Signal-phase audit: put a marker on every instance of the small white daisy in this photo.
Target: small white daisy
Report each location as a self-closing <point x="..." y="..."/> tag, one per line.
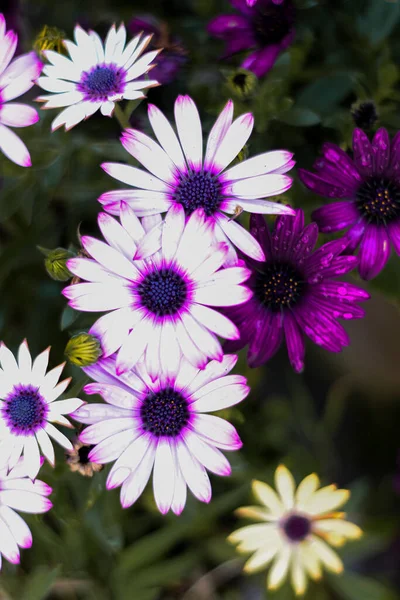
<point x="162" y="426"/>
<point x="159" y="287"/>
<point x="177" y="174"/>
<point x="18" y="492"/>
<point x="296" y="529"/>
<point x="27" y="409"/>
<point x="96" y="75"/>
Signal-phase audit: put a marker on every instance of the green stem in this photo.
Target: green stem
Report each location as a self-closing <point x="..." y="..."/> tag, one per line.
<point x="121" y="117"/>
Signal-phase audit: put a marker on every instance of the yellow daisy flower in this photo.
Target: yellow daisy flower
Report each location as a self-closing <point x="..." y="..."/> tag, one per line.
<point x="297" y="531"/>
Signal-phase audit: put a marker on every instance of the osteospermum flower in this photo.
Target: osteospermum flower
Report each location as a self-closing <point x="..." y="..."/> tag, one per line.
<point x="16" y="78"/>
<point x="96" y="75"/>
<point x="295" y="293"/>
<point x="159" y="287"/>
<point x="369" y="185"/>
<point x="19" y="493"/>
<point x="162" y="426"/>
<point x="296" y="531"/>
<point x="28" y="409"/>
<point x="263" y="26"/>
<point x="180" y="176"/>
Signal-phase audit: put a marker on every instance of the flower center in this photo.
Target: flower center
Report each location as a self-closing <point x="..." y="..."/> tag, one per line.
<point x="199" y="190"/>
<point x="163" y="292"/>
<point x="25" y="410"/>
<point x="164" y="413"/>
<point x="83" y="454"/>
<point x="378" y="200"/>
<point x="271" y="23"/>
<point x="101" y="82"/>
<point x="279" y="286"/>
<point x="296" y="528"/>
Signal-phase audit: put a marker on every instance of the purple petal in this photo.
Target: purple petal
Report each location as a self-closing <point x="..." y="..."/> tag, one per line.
<point x="336" y="216"/>
<point x="338" y="266"/>
<point x="363" y="153"/>
<point x="381" y="148"/>
<point x="268" y="338"/>
<point x="342" y="161"/>
<point x="259" y="230"/>
<point x="228" y="26"/>
<point x="342" y="291"/>
<point x="320" y="326"/>
<point x="354" y="235"/>
<point x="305" y="244"/>
<point x="262" y="61"/>
<point x="394" y="168"/>
<point x="374" y="251"/>
<point x="394" y="235"/>
<point x="295" y="342"/>
<point x="323" y="257"/>
<point x="320" y="186"/>
<point x="286" y="232"/>
<point x="339" y="308"/>
<point x="242" y="6"/>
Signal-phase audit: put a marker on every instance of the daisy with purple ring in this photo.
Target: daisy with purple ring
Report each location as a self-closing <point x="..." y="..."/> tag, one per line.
<point x="28" y="409"/>
<point x="96" y="75"/>
<point x="369" y="187"/>
<point x="16" y="78"/>
<point x="161" y="288"/>
<point x="19" y="493"/>
<point x="295" y="293"/>
<point x="162" y="426"/>
<point x="177" y="175"/>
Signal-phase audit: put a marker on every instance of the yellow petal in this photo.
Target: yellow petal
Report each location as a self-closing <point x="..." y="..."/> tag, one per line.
<point x="326" y="555"/>
<point x="333" y="539"/>
<point x="280" y="568"/>
<point x="305" y="490"/>
<point x="339" y="527"/>
<point x="298" y="575"/>
<point x="310" y="561"/>
<point x="260" y="559"/>
<point x="257" y="533"/>
<point x="326" y="500"/>
<point x="267" y="496"/>
<point x="285" y="485"/>
<point x="254" y="512"/>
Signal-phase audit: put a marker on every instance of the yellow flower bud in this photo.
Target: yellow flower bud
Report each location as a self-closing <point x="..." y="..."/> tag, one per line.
<point x="56" y="263"/>
<point x="83" y="350"/>
<point x="242" y="83"/>
<point x="50" y="38"/>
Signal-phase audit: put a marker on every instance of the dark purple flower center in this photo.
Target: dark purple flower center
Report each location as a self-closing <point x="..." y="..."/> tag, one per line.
<point x="378" y="200"/>
<point x="199" y="190"/>
<point x="296" y="527"/>
<point x="101" y="82"/>
<point x="164" y="413"/>
<point x="279" y="286"/>
<point x="271" y="23"/>
<point x="365" y="115"/>
<point x="83" y="454"/>
<point x="163" y="292"/>
<point x="25" y="410"/>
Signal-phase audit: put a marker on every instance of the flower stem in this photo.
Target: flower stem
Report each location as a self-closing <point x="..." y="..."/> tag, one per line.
<point x="121" y="117"/>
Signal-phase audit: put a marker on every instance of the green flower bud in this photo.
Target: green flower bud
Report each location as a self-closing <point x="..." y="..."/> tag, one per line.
<point x="242" y="83"/>
<point x="50" y="38"/>
<point x="83" y="350"/>
<point x="55" y="263"/>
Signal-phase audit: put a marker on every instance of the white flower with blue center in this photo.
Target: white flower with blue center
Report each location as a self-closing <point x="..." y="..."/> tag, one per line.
<point x="96" y="75"/>
<point x="28" y="409"/>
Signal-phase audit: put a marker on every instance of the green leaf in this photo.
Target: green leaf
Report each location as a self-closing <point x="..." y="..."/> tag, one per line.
<point x="69" y="316"/>
<point x="325" y="94"/>
<point x="379" y="20"/>
<point x="352" y="586"/>
<point x="39" y="584"/>
<point x="301" y="117"/>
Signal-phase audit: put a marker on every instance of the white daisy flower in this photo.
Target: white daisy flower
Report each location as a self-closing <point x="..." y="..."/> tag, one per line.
<point x="162" y="426"/>
<point x="28" y="409"/>
<point x="18" y="492"/>
<point x="177" y="174"/>
<point x="16" y="77"/>
<point x="296" y="530"/>
<point x="96" y="75"/>
<point x="160" y="287"/>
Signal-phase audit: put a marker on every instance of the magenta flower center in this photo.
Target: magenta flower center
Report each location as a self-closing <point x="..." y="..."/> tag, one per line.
<point x="25" y="410"/>
<point x="378" y="200"/>
<point x="296" y="527"/>
<point x="164" y="413"/>
<point x="279" y="286"/>
<point x="271" y="23"/>
<point x="101" y="82"/>
<point x="199" y="190"/>
<point x="163" y="292"/>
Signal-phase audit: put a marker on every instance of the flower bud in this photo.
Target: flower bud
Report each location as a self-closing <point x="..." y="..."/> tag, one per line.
<point x="56" y="263"/>
<point x="50" y="38"/>
<point x="242" y="83"/>
<point x="83" y="350"/>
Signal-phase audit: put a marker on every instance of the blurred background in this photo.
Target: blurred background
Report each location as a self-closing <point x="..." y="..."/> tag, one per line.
<point x="340" y="418"/>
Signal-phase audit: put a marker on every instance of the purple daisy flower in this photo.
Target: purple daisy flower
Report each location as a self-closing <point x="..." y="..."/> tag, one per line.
<point x="19" y="493"/>
<point x="370" y="187"/>
<point x="264" y="26"/>
<point x="294" y="292"/>
<point x="16" y="78"/>
<point x="177" y="175"/>
<point x="162" y="424"/>
<point x="159" y="287"/>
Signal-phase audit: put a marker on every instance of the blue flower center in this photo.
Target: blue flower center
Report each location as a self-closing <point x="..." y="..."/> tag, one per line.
<point x="279" y="286"/>
<point x="378" y="200"/>
<point x="164" y="413"/>
<point x="297" y="528"/>
<point x="199" y="190"/>
<point x="25" y="410"/>
<point x="101" y="82"/>
<point x="271" y="22"/>
<point x="163" y="292"/>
